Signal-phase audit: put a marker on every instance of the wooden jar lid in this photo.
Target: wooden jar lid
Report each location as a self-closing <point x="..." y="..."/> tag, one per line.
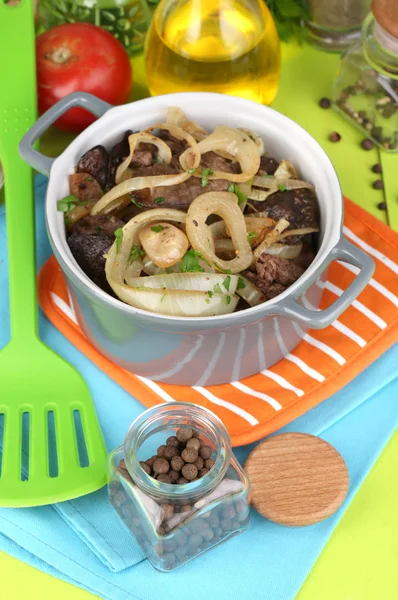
<point x="386" y="14"/>
<point x="296" y="478"/>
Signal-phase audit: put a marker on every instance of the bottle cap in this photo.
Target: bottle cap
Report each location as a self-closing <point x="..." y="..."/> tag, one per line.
<point x="386" y="14"/>
<point x="296" y="479"/>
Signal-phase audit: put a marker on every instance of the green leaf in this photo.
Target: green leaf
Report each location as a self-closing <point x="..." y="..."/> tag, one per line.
<point x="163" y="297"/>
<point x="135" y="253"/>
<point x="210" y="293"/>
<point x="119" y="238"/>
<point x="157" y="228"/>
<point x="251" y="235"/>
<point x="217" y="289"/>
<point x="241" y="284"/>
<point x="226" y="283"/>
<point x="281" y="187"/>
<point x="192" y="171"/>
<point x="233" y="187"/>
<point x="190" y="263"/>
<point x="159" y="200"/>
<point x="97" y="228"/>
<point x="135" y="202"/>
<point x="207" y="301"/>
<point x="228" y="299"/>
<point x="205" y="176"/>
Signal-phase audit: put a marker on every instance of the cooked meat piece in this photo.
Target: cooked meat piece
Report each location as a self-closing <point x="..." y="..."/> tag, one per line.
<point x="299" y="207"/>
<point x="268" y="166"/>
<point x="306" y="256"/>
<point x="96" y="163"/>
<point x="117" y="154"/>
<point x="177" y="147"/>
<point x="84" y="187"/>
<point x="91" y="239"/>
<point x="142" y="158"/>
<point x="218" y="163"/>
<point x="273" y="275"/>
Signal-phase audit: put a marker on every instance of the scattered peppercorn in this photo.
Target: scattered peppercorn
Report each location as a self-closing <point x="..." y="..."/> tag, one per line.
<point x="334" y="136"/>
<point x="377" y="168"/>
<point x="325" y="103"/>
<point x="378" y="184"/>
<point x="367" y="144"/>
<point x="382" y="206"/>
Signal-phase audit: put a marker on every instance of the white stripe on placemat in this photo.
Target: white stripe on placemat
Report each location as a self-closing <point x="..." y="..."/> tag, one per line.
<point x="260" y="395"/>
<point x="282" y="382"/>
<point x="156" y="388"/>
<point x="320" y="345"/>
<point x="183" y="362"/>
<point x="372" y="251"/>
<point x="219" y="402"/>
<point x="356" y="304"/>
<point x="213" y="360"/>
<point x="295" y="359"/>
<point x="339" y="326"/>
<point x="375" y="284"/>
<point x="66" y="309"/>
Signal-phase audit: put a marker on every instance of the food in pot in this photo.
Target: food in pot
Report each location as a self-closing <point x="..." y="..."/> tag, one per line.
<point x="183" y="222"/>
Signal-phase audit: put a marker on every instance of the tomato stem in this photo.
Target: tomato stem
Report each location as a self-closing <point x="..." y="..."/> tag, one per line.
<point x="60" y="56"/>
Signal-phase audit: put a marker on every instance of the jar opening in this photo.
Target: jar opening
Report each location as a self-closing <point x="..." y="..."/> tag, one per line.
<point x="153" y="427"/>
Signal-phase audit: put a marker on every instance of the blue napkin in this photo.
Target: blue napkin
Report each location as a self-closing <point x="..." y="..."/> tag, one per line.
<point x="83" y="541"/>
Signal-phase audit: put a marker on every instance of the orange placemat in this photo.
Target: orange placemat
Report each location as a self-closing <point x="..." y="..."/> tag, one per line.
<point x="321" y="364"/>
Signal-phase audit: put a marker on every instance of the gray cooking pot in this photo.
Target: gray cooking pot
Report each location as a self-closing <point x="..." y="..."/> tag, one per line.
<point x="209" y="350"/>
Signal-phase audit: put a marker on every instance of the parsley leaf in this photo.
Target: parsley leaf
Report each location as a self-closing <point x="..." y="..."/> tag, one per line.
<point x="135" y="202"/>
<point x="189" y="262"/>
<point x="226" y="282"/>
<point x="228" y="299"/>
<point x="135" y="253"/>
<point x="288" y="16"/>
<point x="68" y="221"/>
<point x="234" y="188"/>
<point x="226" y="271"/>
<point x="157" y="228"/>
<point x="191" y="171"/>
<point x="281" y="187"/>
<point x="159" y="200"/>
<point x="251" y="235"/>
<point x="205" y="176"/>
<point x="163" y="297"/>
<point x="207" y="301"/>
<point x="97" y="228"/>
<point x="209" y="293"/>
<point x="119" y="238"/>
<point x="241" y="284"/>
<point x="66" y="204"/>
<point x="217" y="289"/>
<point x="155" y="161"/>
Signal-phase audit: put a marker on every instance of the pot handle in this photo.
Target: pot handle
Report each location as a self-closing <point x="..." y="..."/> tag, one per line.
<point x="33" y="157"/>
<point x="319" y="319"/>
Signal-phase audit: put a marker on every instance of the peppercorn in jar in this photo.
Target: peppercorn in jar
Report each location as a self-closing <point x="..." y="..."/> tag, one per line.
<point x="177" y="485"/>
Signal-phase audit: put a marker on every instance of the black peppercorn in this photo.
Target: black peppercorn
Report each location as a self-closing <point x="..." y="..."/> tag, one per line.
<point x="378" y="184"/>
<point x="367" y="144"/>
<point x="161" y="465"/>
<point x="189" y="455"/>
<point x="189" y="471"/>
<point x="325" y="103"/>
<point x="177" y="463"/>
<point x="377" y="168"/>
<point x="183" y="434"/>
<point x="382" y="206"/>
<point x="334" y="136"/>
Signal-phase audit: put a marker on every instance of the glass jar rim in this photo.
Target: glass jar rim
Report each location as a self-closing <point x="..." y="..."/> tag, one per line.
<point x="198" y="415"/>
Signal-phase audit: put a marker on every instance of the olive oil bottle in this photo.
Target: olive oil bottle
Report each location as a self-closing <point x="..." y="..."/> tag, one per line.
<point x="226" y="46"/>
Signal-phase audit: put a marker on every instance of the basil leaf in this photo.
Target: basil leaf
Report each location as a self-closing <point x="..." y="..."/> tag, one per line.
<point x="190" y="263"/>
<point x="66" y="204"/>
<point x="119" y="238"/>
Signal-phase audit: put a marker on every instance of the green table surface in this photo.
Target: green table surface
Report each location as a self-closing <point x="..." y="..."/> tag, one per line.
<point x="360" y="559"/>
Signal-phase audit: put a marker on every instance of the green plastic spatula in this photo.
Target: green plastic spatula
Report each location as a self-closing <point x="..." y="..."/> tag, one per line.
<point x="52" y="446"/>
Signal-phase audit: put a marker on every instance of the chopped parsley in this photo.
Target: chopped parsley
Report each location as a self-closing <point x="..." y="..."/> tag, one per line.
<point x="207" y="301"/>
<point x="163" y="297"/>
<point x="241" y="284"/>
<point x="209" y="293"/>
<point x="281" y="187"/>
<point x="157" y="228"/>
<point x="226" y="271"/>
<point x="226" y="282"/>
<point x="97" y="228"/>
<point x="191" y="171"/>
<point x="135" y="202"/>
<point x="155" y="161"/>
<point x="217" y="289"/>
<point x="159" y="200"/>
<point x="251" y="235"/>
<point x="135" y="253"/>
<point x="119" y="238"/>
<point x="205" y="176"/>
<point x="68" y="221"/>
<point x="228" y="299"/>
<point x="89" y="179"/>
<point x="190" y="263"/>
<point x="234" y="188"/>
<point x="66" y="204"/>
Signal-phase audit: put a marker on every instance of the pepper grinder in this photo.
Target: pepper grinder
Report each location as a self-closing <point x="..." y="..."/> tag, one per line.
<point x="366" y="87"/>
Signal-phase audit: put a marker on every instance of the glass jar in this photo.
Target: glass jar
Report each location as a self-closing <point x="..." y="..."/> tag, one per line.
<point x="175" y="523"/>
<point x="226" y="46"/>
<point x="126" y="20"/>
<point x="336" y="24"/>
<point x="366" y="88"/>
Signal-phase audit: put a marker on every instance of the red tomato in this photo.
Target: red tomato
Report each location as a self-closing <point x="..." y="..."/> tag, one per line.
<point x="85" y="58"/>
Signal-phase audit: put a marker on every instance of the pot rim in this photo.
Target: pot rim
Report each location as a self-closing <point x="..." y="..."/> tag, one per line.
<point x="330" y="232"/>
